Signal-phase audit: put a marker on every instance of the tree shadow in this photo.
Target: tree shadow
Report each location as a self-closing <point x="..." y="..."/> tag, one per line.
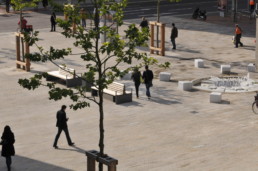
<point x="21" y="163"/>
<point x="8" y="53"/>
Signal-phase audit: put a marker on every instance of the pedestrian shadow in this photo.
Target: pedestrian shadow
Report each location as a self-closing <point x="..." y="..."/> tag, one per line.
<point x="133" y="103"/>
<point x="248" y="47"/>
<point x="184" y="50"/>
<point x="73" y="148"/>
<point x="163" y="101"/>
<point x="21" y="163"/>
<point x="6" y="15"/>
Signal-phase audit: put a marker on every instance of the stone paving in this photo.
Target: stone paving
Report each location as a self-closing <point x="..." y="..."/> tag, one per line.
<point x="175" y="130"/>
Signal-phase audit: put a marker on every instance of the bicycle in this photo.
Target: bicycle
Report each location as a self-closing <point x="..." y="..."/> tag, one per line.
<point x="255" y="104"/>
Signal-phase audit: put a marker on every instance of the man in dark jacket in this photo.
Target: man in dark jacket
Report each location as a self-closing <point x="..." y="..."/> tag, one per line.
<point x="174" y="34"/>
<point x="61" y="123"/>
<point x="53" y="22"/>
<point x="144" y="23"/>
<point x="147" y="76"/>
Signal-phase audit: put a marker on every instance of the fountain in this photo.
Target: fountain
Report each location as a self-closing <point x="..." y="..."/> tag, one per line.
<point x="226" y="84"/>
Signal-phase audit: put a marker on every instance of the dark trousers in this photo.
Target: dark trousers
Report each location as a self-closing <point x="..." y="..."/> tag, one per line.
<point x="173" y="43"/>
<point x="8" y="162"/>
<point x="148" y="85"/>
<point x="66" y="134"/>
<point x="251" y="8"/>
<point x="53" y="27"/>
<point x="7" y="7"/>
<point x="137" y="85"/>
<point x="238" y="37"/>
<point x="83" y="21"/>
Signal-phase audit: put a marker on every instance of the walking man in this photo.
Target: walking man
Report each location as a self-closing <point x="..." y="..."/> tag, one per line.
<point x="173" y="36"/>
<point x="147" y="76"/>
<point x="53" y="22"/>
<point x="7" y="5"/>
<point x="136" y="76"/>
<point x="238" y="35"/>
<point x="252" y="4"/>
<point x="61" y="123"/>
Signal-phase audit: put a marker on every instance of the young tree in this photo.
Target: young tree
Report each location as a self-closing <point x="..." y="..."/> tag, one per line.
<point x="19" y="5"/>
<point x="100" y="71"/>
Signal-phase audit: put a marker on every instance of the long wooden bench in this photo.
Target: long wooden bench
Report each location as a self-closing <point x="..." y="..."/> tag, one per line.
<point x="115" y="92"/>
<point x="65" y="75"/>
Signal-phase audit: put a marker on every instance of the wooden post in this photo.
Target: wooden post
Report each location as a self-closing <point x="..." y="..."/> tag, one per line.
<point x="18" y="52"/>
<point x="152" y="39"/>
<point x="256" y="45"/>
<point x="91" y="164"/>
<point x="93" y="157"/>
<point x="25" y="65"/>
<point x="110" y="162"/>
<point x="162" y="30"/>
<point x="27" y="61"/>
<point x="160" y="50"/>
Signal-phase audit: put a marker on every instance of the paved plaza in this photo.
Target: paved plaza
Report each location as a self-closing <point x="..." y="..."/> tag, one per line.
<point x="175" y="130"/>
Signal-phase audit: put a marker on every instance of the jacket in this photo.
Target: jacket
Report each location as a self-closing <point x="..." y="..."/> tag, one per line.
<point x="61" y="121"/>
<point x="136" y="76"/>
<point x="7" y="144"/>
<point x="147" y="76"/>
<point x="174" y="33"/>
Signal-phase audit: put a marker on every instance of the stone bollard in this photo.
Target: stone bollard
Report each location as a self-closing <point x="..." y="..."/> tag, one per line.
<point x="164" y="76"/>
<point x="225" y="69"/>
<point x="215" y="97"/>
<point x="198" y="63"/>
<point x="251" y="67"/>
<point x="185" y="85"/>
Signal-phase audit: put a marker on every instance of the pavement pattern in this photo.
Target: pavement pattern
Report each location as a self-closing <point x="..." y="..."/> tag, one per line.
<point x="175" y="130"/>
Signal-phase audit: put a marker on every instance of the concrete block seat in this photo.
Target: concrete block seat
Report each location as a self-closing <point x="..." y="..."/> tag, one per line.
<point x="251" y="67"/>
<point x="198" y="63"/>
<point x="215" y="97"/>
<point x="64" y="75"/>
<point x="164" y="76"/>
<point x="225" y="69"/>
<point x="115" y="92"/>
<point x="185" y="85"/>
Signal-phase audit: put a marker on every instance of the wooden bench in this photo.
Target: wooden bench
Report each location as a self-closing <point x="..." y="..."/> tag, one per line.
<point x="115" y="92"/>
<point x="64" y="75"/>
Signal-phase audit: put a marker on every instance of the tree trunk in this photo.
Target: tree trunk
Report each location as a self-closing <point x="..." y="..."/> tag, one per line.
<point x="158" y="17"/>
<point x="101" y="129"/>
<point x="101" y="112"/>
<point x="20" y="20"/>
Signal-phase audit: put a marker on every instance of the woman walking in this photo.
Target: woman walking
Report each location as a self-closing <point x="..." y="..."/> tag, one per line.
<point x="7" y="146"/>
<point x="136" y="76"/>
